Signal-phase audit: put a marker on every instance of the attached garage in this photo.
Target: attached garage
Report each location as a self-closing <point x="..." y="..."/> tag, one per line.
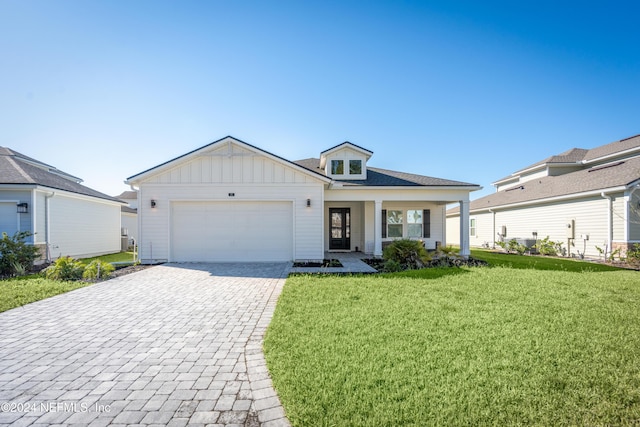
<point x="226" y="231"/>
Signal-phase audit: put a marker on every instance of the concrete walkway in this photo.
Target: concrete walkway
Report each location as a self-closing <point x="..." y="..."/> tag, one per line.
<point x="351" y="264"/>
<point x="172" y="345"/>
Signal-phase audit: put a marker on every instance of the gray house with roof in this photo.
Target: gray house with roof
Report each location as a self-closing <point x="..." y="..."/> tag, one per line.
<point x="64" y="216"/>
<point x="232" y="201"/>
<point x="585" y="198"/>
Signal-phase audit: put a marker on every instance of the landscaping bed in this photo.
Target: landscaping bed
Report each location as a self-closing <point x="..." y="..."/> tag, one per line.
<point x="326" y="263"/>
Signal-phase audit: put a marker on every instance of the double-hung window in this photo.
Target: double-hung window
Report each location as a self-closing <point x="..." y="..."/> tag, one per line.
<point x="394" y="223"/>
<point x="414" y="223"/>
<point x="472" y="227"/>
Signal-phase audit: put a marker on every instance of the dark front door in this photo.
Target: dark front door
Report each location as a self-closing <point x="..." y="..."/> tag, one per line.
<point x="340" y="228"/>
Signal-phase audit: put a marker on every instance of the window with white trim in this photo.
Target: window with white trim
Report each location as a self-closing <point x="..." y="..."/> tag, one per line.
<point x="395" y="224"/>
<point x="414" y="223"/>
<point x="472" y="227"/>
<point x="337" y="167"/>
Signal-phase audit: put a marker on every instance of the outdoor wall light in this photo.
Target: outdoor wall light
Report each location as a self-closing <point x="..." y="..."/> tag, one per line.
<point x="23" y="207"/>
<point x="153" y="203"/>
<point x="308" y="203"/>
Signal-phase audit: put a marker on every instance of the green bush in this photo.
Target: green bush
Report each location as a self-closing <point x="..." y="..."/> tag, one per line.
<point x="410" y="254"/>
<point x="16" y="256"/>
<point x="65" y="268"/>
<point x="633" y="254"/>
<point x="547" y="246"/>
<point x="98" y="270"/>
<point x="392" y="266"/>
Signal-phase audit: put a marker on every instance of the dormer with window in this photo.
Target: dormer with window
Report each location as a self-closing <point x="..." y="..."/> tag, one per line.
<point x="346" y="161"/>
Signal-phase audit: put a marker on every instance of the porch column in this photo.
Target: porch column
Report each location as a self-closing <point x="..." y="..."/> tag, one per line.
<point x="377" y="228"/>
<point x="464" y="228"/>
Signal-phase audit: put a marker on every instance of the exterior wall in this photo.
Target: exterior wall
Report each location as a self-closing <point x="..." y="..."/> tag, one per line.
<point x="550" y="219"/>
<point x="357" y="223"/>
<point x="23" y="222"/>
<point x="130" y="222"/>
<point x="229" y="172"/>
<point x="154" y="232"/>
<point x="40" y="217"/>
<point x="82" y="226"/>
<point x="619" y="217"/>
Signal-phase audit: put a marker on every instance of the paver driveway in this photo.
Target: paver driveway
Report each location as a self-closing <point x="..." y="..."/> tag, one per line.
<point x="175" y="344"/>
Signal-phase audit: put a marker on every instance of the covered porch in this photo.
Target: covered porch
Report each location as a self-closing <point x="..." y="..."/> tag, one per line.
<point x="366" y="226"/>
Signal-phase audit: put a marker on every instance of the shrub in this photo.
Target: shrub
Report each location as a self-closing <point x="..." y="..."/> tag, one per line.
<point x="633" y="254"/>
<point x="410" y="254"/>
<point x="98" y="270"/>
<point x="16" y="256"/>
<point x="65" y="268"/>
<point x="547" y="246"/>
<point x="392" y="266"/>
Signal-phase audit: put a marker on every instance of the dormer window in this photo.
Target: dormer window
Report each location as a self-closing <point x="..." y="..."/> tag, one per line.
<point x="355" y="167"/>
<point x="337" y="167"/>
<point x="345" y="161"/>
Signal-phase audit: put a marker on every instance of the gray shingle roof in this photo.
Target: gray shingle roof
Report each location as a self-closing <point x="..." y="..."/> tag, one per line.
<point x="18" y="169"/>
<point x="616" y="174"/>
<point x="377" y="177"/>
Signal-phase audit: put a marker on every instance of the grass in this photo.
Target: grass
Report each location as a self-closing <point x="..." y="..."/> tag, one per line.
<point x="23" y="290"/>
<point x="117" y="257"/>
<point x="19" y="291"/>
<point x="539" y="262"/>
<point x="472" y="346"/>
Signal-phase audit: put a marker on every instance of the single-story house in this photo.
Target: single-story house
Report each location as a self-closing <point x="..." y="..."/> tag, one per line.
<point x="129" y="214"/>
<point x="585" y="198"/>
<point x="232" y="201"/>
<point x="64" y="216"/>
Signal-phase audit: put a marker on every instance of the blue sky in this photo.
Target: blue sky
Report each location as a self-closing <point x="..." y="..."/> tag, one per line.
<point x="470" y="91"/>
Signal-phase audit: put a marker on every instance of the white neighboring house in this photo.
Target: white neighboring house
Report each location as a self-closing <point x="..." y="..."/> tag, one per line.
<point x="585" y="198"/>
<point x="129" y="215"/>
<point x="65" y="217"/>
<point x="232" y="201"/>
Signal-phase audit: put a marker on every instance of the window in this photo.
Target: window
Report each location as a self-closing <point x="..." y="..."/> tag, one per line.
<point x="337" y="167"/>
<point x="414" y="223"/>
<point x="394" y="223"/>
<point x="472" y="227"/>
<point x="355" y="167"/>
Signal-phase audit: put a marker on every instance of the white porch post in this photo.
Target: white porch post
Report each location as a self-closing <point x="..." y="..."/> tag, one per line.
<point x="464" y="228"/>
<point x="377" y="228"/>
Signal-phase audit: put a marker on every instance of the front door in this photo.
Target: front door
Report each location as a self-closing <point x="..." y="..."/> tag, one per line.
<point x="340" y="228"/>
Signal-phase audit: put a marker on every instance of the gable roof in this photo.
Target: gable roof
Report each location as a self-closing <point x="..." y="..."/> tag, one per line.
<point x="228" y="138"/>
<point x="622" y="173"/>
<point x="377" y="177"/>
<point x="127" y="195"/>
<point x="18" y="169"/>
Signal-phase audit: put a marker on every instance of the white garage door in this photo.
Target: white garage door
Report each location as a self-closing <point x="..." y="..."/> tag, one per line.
<point x="231" y="231"/>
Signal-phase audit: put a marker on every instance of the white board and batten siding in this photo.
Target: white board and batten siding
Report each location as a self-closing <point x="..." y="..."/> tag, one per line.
<point x="83" y="226"/>
<point x="230" y="204"/>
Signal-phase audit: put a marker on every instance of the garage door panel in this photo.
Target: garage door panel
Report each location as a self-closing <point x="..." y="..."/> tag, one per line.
<point x="231" y="231"/>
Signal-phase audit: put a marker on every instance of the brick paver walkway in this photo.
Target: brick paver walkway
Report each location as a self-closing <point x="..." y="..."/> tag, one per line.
<point x="175" y="345"/>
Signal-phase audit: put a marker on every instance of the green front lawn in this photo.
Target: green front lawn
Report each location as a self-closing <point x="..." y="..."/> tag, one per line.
<point x="472" y="346"/>
<point x="117" y="257"/>
<point x="19" y="291"/>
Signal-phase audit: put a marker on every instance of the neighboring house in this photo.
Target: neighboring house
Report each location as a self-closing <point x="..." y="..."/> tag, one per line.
<point x="583" y="198"/>
<point x="129" y="213"/>
<point x="65" y="217"/>
<point x="231" y="201"/>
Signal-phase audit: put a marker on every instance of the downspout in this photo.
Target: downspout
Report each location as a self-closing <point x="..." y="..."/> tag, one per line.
<point x="609" y="223"/>
<point x="47" y="226"/>
<point x="136" y="245"/>
<point x="493" y="228"/>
